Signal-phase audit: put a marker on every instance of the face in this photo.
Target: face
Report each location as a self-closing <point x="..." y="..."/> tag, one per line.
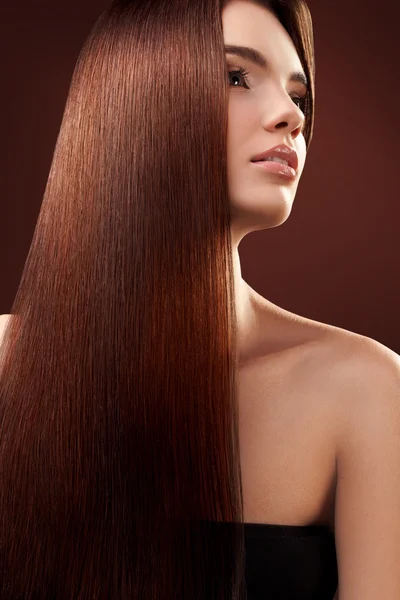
<point x="264" y="111"/>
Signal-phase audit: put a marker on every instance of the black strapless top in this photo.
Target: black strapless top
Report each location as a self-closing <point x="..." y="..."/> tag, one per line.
<point x="290" y="562"/>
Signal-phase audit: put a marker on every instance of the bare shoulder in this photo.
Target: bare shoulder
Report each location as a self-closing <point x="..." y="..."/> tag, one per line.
<point x="352" y="362"/>
<point x="4" y="320"/>
<point x="361" y="376"/>
<point x="3" y="324"/>
<point x="362" y="372"/>
<point x="364" y="377"/>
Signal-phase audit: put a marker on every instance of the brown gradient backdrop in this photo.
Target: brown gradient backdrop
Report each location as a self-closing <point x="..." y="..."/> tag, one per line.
<point x="336" y="258"/>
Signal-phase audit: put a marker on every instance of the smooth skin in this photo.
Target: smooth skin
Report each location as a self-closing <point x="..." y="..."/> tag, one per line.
<point x="358" y="377"/>
<point x="259" y="118"/>
<point x="363" y="375"/>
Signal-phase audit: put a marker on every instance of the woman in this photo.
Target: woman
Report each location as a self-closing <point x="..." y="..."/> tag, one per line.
<point x="156" y="412"/>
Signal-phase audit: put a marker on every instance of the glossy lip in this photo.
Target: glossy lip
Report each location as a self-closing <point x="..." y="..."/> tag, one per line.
<point x="280" y="151"/>
<point x="277" y="169"/>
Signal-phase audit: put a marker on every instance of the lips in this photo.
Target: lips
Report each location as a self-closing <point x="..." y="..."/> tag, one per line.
<point x="280" y="151"/>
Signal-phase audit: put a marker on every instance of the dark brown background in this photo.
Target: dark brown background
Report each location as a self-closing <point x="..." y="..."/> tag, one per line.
<point x="336" y="258"/>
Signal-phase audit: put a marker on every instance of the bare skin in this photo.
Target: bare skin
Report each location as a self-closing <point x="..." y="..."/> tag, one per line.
<point x="319" y="406"/>
<point x="288" y="470"/>
<point x="287" y="452"/>
<point x="274" y="345"/>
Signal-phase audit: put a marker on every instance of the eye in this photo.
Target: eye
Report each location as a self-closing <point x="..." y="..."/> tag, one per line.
<point x="302" y="102"/>
<point x="240" y="73"/>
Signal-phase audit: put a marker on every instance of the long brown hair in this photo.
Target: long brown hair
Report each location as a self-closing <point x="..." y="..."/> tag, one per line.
<point x="118" y="401"/>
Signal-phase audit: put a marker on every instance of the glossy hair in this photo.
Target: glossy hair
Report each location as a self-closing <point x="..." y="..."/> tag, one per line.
<point x="119" y="446"/>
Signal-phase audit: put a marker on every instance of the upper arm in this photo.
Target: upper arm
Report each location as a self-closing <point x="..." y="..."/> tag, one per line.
<point x="367" y="504"/>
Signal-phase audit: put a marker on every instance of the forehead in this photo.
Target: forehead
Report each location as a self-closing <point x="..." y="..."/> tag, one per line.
<point x="246" y="23"/>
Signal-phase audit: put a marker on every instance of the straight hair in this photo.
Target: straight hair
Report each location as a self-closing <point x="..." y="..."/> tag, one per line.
<point x="119" y="446"/>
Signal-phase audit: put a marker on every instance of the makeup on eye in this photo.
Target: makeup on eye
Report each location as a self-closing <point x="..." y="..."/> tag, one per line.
<point x="243" y="73"/>
<point x="302" y="100"/>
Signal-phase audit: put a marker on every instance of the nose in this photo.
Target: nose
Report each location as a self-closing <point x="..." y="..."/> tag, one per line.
<point x="283" y="114"/>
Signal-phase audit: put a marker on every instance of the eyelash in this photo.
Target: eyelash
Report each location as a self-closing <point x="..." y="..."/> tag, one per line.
<point x="302" y="99"/>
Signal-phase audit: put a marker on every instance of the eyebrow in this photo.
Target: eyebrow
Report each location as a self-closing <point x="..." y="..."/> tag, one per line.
<point x="259" y="59"/>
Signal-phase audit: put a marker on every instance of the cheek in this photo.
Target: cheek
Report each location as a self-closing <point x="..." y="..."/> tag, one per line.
<point x="242" y="121"/>
<point x="239" y="138"/>
<point x="301" y="149"/>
